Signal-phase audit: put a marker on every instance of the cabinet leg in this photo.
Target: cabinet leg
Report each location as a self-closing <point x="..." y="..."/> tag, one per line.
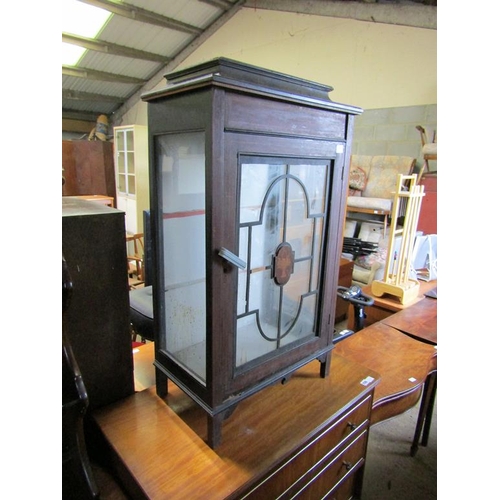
<point x="324" y="371"/>
<point x="214" y="428"/>
<point x="161" y="383"/>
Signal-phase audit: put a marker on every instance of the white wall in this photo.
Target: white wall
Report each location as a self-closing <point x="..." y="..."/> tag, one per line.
<point x="370" y="65"/>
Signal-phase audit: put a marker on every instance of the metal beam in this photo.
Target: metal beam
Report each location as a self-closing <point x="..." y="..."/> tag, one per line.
<point x="70" y="114"/>
<point x="220" y="4"/>
<point x="75" y="95"/>
<point x="99" y="75"/>
<point x="112" y="48"/>
<point x="144" y="16"/>
<point x="76" y="125"/>
<point x="183" y="54"/>
<point x="412" y="14"/>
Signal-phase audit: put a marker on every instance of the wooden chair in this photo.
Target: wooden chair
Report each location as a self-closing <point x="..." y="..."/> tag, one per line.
<point x="135" y="259"/>
<point x="429" y="148"/>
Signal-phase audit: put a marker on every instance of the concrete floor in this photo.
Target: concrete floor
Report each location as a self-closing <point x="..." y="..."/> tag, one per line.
<point x="390" y="471"/>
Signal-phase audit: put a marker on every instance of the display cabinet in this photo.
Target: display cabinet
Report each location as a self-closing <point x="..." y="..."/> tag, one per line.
<point x="248" y="183"/>
<point x="132" y="174"/>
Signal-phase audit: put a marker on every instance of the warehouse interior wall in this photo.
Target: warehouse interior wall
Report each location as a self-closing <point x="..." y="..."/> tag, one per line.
<point x="370" y="65"/>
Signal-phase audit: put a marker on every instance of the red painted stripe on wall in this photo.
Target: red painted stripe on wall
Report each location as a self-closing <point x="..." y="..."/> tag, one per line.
<point x="187" y="213"/>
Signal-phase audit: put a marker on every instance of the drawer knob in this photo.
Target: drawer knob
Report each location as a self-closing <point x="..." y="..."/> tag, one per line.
<point x="351" y="425"/>
<point x="347" y="465"/>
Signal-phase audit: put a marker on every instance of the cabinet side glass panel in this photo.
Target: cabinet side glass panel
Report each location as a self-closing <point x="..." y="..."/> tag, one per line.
<point x="181" y="161"/>
<point x="281" y="237"/>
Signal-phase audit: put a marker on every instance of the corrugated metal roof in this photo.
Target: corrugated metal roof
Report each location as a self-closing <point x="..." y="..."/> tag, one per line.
<point x="165" y="29"/>
<point x="88" y="94"/>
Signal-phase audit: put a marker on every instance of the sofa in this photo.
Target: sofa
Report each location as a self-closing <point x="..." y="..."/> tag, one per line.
<point x="372" y="183"/>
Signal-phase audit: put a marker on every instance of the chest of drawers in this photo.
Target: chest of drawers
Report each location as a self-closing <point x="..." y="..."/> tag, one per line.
<point x="305" y="438"/>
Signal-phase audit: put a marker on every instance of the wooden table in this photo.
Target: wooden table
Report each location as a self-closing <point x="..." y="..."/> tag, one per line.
<point x="309" y="435"/>
<point x="418" y="321"/>
<point x="144" y="371"/>
<point x="387" y="305"/>
<point x="98" y="198"/>
<point x="403" y="363"/>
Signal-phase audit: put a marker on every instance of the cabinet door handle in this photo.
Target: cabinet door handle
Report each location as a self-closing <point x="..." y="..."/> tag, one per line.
<point x="232" y="258"/>
<point x="352" y="426"/>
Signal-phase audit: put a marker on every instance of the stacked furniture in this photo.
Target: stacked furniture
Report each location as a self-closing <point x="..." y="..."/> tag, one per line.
<point x="372" y="183"/>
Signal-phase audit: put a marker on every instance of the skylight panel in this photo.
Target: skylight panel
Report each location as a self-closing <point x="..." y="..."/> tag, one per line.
<point x="82" y="19"/>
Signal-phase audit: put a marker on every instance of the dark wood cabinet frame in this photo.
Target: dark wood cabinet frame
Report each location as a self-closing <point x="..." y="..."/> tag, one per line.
<point x="245" y="110"/>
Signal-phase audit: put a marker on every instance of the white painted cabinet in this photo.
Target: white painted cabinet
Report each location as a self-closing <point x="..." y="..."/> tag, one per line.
<point x="132" y="174"/>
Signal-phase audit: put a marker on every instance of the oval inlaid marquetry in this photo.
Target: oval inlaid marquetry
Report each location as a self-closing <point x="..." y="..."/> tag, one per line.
<point x="283" y="263"/>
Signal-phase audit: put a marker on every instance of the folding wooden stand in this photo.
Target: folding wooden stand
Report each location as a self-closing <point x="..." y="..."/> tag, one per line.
<point x="396" y="279"/>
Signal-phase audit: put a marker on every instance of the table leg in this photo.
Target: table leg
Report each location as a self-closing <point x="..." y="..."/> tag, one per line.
<point x="428" y="418"/>
<point x="425" y="412"/>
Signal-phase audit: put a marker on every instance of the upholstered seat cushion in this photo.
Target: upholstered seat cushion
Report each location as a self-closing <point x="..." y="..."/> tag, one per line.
<point x="363" y="277"/>
<point x="141" y="311"/>
<point x="430" y="149"/>
<point x="141" y="300"/>
<point x="368" y="203"/>
<point x="383" y="176"/>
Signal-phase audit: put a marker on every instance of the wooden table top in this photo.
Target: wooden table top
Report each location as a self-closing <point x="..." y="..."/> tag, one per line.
<point x="402" y="362"/>
<point x="163" y="441"/>
<point x="419" y="321"/>
<point x="144" y="371"/>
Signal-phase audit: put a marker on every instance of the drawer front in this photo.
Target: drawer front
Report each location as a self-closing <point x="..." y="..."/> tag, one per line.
<point x="312" y="457"/>
<point x="336" y="479"/>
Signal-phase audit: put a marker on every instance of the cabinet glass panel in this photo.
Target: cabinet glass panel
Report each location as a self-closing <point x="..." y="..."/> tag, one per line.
<point x="130" y="162"/>
<point x="121" y="162"/>
<point x="121" y="158"/>
<point x="125" y="162"/>
<point x="181" y="158"/>
<point x="122" y="183"/>
<point x="281" y="234"/>
<point x="131" y="185"/>
<point x="120" y="137"/>
<point x="130" y="140"/>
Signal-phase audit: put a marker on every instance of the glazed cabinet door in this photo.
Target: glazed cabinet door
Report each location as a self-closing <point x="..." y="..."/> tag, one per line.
<point x="276" y="256"/>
